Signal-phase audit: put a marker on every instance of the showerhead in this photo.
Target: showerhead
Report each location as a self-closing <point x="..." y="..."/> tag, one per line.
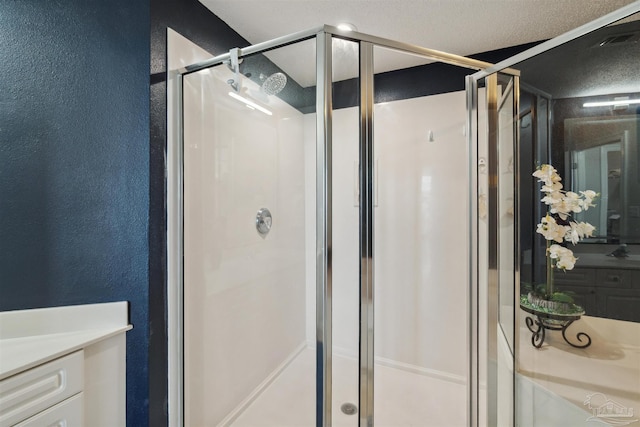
<point x="274" y="83"/>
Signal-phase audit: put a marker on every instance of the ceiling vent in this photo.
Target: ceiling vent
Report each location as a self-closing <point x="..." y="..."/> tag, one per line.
<point x="619" y="39"/>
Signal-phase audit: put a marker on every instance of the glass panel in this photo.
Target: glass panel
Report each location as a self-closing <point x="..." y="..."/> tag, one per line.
<point x="528" y="131"/>
<point x="496" y="247"/>
<point x="506" y="244"/>
<point x="541" y="144"/>
<point x="592" y="148"/>
<point x="506" y="206"/>
<point x="483" y="253"/>
<point x="345" y="236"/>
<point x="249" y="244"/>
<point x="421" y="230"/>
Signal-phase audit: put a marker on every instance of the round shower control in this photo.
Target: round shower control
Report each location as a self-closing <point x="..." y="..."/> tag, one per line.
<point x="349" y="408"/>
<point x="263" y="221"/>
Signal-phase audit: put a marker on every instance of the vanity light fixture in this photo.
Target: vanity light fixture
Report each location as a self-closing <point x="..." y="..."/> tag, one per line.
<point x="250" y="103"/>
<point x="346" y="26"/>
<point x="613" y="103"/>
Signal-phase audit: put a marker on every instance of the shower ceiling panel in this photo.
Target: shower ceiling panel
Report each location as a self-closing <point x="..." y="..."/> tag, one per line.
<point x="463" y="27"/>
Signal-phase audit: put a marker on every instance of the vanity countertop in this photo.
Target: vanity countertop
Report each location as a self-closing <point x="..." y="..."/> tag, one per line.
<point x="611" y="365"/>
<point x="31" y="337"/>
<point x="591" y="260"/>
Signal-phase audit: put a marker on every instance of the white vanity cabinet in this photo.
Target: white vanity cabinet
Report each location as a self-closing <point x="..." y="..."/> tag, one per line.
<point x="28" y="396"/>
<point x="64" y="366"/>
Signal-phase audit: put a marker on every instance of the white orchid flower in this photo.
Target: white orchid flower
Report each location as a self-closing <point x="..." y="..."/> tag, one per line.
<point x="551" y="187"/>
<point x="584" y="229"/>
<point x="564" y="257"/>
<point x="566" y="262"/>
<point x="547" y="174"/>
<point x="552" y="198"/>
<point x="561" y="208"/>
<point x="562" y="204"/>
<point x="551" y="230"/>
<point x="588" y="195"/>
<point x="572" y="235"/>
<point x="578" y="230"/>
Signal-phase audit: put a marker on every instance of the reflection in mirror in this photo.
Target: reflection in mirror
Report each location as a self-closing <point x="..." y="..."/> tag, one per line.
<point x="592" y="147"/>
<point x="602" y="155"/>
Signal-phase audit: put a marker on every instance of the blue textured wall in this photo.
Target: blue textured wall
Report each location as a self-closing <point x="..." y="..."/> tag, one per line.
<point x="74" y="168"/>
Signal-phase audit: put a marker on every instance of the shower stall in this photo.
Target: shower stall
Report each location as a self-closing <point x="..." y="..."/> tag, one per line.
<point x="325" y="232"/>
<point x="333" y="254"/>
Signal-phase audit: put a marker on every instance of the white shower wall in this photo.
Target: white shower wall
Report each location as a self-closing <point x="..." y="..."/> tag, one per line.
<point x="243" y="292"/>
<point x="421" y="234"/>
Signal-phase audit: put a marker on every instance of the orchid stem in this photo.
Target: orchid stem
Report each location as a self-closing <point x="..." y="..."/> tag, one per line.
<point x="549" y="271"/>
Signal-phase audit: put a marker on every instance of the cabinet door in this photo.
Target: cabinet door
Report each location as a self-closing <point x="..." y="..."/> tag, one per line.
<point x="69" y="413"/>
<point x="620" y="304"/>
<point x="577" y="277"/>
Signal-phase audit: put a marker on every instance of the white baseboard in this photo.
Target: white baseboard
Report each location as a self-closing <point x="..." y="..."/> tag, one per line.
<point x="242" y="406"/>
<point x="441" y="375"/>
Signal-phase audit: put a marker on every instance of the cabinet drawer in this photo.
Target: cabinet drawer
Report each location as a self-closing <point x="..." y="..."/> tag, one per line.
<point x="614" y="278"/>
<point x="24" y="395"/>
<point x="69" y="413"/>
<point x="577" y="276"/>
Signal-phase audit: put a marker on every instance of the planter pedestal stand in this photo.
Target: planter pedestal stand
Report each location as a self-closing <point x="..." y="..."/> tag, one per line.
<point x="553" y="322"/>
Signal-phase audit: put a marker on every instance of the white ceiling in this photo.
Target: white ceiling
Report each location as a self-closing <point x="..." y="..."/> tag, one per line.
<point x="462" y="27"/>
<point x="457" y="26"/>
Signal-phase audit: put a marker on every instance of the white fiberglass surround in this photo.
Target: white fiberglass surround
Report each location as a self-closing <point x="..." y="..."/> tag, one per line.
<point x="245" y="313"/>
<point x="421" y="231"/>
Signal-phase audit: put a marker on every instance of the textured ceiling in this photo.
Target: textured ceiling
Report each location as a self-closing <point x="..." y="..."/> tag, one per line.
<point x="583" y="67"/>
<point x="457" y="26"/>
<point x="462" y="27"/>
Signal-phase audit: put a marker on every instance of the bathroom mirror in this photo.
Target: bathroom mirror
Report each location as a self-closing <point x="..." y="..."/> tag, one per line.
<point x="580" y="111"/>
<point x="602" y="155"/>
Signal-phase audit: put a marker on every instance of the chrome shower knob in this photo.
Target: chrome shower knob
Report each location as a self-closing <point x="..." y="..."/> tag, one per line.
<point x="263" y="221"/>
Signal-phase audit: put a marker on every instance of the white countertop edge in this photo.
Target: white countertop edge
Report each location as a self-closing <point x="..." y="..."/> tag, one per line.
<point x="63" y="319"/>
<point x="22" y="353"/>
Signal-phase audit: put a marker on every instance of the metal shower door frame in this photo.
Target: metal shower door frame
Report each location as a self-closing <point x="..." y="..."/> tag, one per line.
<point x="175" y="143"/>
<point x="490" y="359"/>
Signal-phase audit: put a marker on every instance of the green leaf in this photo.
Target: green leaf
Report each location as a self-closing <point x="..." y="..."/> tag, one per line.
<point x="562" y="297"/>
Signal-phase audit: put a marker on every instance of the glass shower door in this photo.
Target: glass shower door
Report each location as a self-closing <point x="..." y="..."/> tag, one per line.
<point x="576" y="350"/>
<point x="345" y="79"/>
<point x="497" y="246"/>
<point x="420" y="230"/>
<point x="249" y="287"/>
<point x="504" y="165"/>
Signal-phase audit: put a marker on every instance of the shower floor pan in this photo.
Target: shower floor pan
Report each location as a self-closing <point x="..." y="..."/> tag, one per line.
<point x="403" y="398"/>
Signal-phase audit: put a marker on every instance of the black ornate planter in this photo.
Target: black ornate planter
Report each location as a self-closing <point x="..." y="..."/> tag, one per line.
<point x="547" y="319"/>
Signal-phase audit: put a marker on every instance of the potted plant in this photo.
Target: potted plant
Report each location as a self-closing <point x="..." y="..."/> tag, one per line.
<point x="553" y="309"/>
